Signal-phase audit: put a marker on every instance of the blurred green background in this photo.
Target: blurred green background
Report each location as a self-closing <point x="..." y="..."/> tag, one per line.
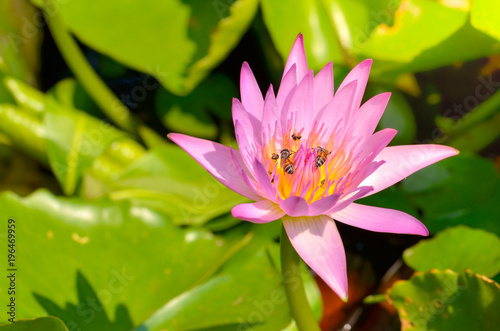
<point x="118" y="229"/>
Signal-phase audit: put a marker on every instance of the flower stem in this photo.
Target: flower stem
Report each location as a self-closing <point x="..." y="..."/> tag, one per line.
<point x="91" y="82"/>
<point x="294" y="286"/>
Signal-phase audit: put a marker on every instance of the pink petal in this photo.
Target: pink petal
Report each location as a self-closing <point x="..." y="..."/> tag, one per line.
<point x="339" y="105"/>
<point x="347" y="199"/>
<point x="217" y="160"/>
<point x="402" y="161"/>
<point x="370" y="149"/>
<point x="251" y="96"/>
<point x="360" y="74"/>
<point x="249" y="123"/>
<point x="337" y="109"/>
<point x="317" y="241"/>
<point x="262" y="211"/>
<point x="247" y="147"/>
<point x="270" y="117"/>
<point x="299" y="113"/>
<point x="367" y="117"/>
<point x="264" y="180"/>
<point x="377" y="142"/>
<point x="295" y="206"/>
<point x="249" y="181"/>
<point x="297" y="56"/>
<point x="288" y="83"/>
<point x="380" y="220"/>
<point x="323" y="87"/>
<point x="321" y="206"/>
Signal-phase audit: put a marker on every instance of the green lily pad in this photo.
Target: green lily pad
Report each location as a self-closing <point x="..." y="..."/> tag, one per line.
<point x="484" y="17"/>
<point x="169" y="180"/>
<point x="356" y="19"/>
<point x="48" y="323"/>
<point x="463" y="189"/>
<point x="73" y="139"/>
<point x="266" y="309"/>
<point x="109" y="266"/>
<point x="457" y="248"/>
<point x="178" y="42"/>
<point x="418" y="25"/>
<point x="445" y="300"/>
<point x="466" y="43"/>
<point x="286" y="19"/>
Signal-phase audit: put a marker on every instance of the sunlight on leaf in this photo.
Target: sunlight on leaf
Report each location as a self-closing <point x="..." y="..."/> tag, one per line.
<point x="457" y="248"/>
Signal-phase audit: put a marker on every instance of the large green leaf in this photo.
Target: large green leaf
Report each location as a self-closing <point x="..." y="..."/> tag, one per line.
<point x="73" y="139"/>
<point x="460" y="190"/>
<point x="445" y="300"/>
<point x="465" y="44"/>
<point x="418" y="25"/>
<point x="485" y="16"/>
<point x="178" y="42"/>
<point x="109" y="266"/>
<point x="48" y="323"/>
<point x="266" y="309"/>
<point x="169" y="180"/>
<point x="286" y="19"/>
<point x="457" y="249"/>
<point x="356" y="19"/>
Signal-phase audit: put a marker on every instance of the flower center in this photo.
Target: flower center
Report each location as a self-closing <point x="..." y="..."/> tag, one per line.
<point x="307" y="165"/>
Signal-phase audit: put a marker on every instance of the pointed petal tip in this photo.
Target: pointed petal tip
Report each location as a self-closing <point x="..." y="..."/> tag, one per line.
<point x="344" y="298"/>
<point x="299" y="38"/>
<point x="173" y="136"/>
<point x="367" y="62"/>
<point x="349" y="87"/>
<point x="385" y="95"/>
<point x="392" y="131"/>
<point x="245" y="69"/>
<point x="297" y="56"/>
<point x="236" y="102"/>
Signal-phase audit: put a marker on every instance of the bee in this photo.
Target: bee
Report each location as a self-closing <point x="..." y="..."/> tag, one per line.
<point x="285" y="161"/>
<point x="322" y="182"/>
<point x="296" y="136"/>
<point x="322" y="155"/>
<point x="275" y="156"/>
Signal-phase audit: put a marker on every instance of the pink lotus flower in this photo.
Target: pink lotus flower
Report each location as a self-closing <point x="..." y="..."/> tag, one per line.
<point x="306" y="154"/>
